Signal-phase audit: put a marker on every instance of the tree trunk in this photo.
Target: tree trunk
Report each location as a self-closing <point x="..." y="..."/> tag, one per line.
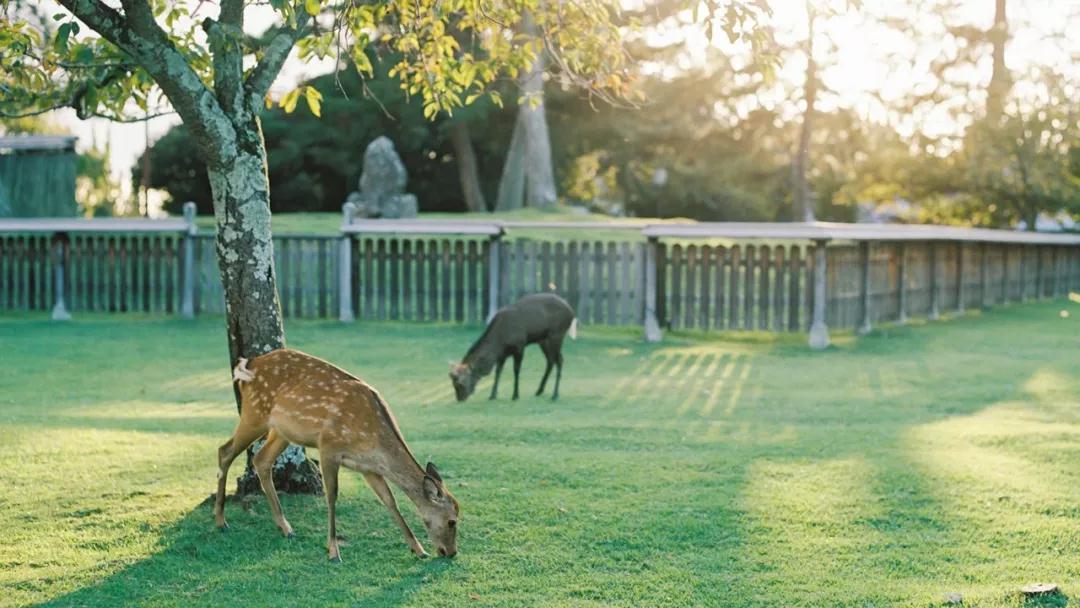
<point x="246" y="261"/>
<point x="512" y="183"/>
<point x="1000" y="82"/>
<point x="466" y="163"/>
<point x="533" y="151"/>
<point x="802" y="206"/>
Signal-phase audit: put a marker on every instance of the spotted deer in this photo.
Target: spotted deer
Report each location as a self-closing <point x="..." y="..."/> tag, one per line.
<point x="290" y="396"/>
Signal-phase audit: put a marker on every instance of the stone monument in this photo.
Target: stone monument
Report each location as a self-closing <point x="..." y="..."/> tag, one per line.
<point x="382" y="184"/>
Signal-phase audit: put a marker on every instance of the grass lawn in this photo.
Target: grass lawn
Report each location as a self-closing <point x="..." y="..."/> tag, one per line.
<point x="746" y="471"/>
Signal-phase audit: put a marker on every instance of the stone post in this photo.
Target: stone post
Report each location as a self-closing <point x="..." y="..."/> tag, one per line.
<point x="652" y="324"/>
<point x="59" y="311"/>
<point x="494" y="251"/>
<point x="187" y="299"/>
<point x="819" y="331"/>
<point x="345" y="287"/>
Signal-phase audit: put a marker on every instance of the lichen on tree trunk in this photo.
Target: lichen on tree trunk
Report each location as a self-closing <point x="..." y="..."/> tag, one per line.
<point x="246" y="260"/>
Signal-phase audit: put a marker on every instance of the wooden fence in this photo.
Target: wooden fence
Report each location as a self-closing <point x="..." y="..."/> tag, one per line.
<point x="710" y="277"/>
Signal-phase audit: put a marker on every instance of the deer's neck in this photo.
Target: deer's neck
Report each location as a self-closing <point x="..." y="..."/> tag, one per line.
<point x="411" y="481"/>
<point x="482" y="360"/>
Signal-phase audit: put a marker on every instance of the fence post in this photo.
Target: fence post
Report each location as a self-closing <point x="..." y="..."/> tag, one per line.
<point x="59" y="311"/>
<point x="864" y="286"/>
<point x="494" y="255"/>
<point x="345" y="287"/>
<point x="819" y="331"/>
<point x="935" y="311"/>
<point x="902" y="294"/>
<point x="187" y="300"/>
<point x="652" y="325"/>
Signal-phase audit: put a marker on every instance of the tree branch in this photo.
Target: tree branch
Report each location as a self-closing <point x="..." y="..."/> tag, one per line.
<point x="137" y="34"/>
<point x="266" y="71"/>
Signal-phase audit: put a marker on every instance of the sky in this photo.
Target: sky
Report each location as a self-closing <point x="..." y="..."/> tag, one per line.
<point x="855" y="66"/>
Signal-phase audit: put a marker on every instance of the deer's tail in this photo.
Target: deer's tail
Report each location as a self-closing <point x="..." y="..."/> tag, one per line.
<point x="241" y="373"/>
<point x="573" y="329"/>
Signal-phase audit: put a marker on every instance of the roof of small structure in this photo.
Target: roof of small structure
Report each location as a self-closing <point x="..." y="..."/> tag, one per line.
<point x="38" y="142"/>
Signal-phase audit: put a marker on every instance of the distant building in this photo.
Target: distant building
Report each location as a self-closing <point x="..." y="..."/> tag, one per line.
<point x="37" y="176"/>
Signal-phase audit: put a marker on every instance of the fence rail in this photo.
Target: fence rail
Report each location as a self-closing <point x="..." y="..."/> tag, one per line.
<point x="707" y="276"/>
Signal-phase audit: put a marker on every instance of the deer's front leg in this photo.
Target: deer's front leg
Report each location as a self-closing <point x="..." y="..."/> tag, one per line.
<point x="378" y="483"/>
<point x="498" y="372"/>
<point x="518" y="356"/>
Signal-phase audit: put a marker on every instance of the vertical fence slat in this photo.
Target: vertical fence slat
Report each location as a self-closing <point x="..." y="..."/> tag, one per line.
<point x="719" y="300"/>
<point x="689" y="316"/>
<point x="446" y="270"/>
<point x="471" y="288"/>
<point x="676" y="312"/>
<point x="394" y="294"/>
<point x="705" y="294"/>
<point x="764" y="301"/>
<point x="780" y="281"/>
<point x="734" y="272"/>
<point x="612" y="291"/>
<point x="748" y="289"/>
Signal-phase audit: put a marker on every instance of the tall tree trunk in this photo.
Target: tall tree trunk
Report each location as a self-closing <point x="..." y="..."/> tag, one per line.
<point x="1000" y="81"/>
<point x="512" y="183"/>
<point x="530" y="146"/>
<point x="803" y="208"/>
<point x="245" y="251"/>
<point x="466" y="163"/>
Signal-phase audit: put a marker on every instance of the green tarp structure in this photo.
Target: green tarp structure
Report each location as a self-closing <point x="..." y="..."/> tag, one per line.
<point x="37" y="176"/>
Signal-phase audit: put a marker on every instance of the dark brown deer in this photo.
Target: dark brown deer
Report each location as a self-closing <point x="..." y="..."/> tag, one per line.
<point x="292" y="397"/>
<point x="542" y="318"/>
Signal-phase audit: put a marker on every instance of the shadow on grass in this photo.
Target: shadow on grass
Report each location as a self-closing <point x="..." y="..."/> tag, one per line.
<point x="195" y="564"/>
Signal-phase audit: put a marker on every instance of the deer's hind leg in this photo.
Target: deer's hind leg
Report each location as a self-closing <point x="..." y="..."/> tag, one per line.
<point x="545" y="346"/>
<point x="244" y="436"/>
<point x="264" y="467"/>
<point x="330" y="465"/>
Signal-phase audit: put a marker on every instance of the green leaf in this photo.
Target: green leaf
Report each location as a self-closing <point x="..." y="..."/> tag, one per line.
<point x="312" y="7"/>
<point x="58" y="16"/>
<point x="62" y="36"/>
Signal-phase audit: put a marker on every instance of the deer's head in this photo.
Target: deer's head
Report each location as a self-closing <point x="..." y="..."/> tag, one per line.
<point x="463" y="379"/>
<point x="440" y="513"/>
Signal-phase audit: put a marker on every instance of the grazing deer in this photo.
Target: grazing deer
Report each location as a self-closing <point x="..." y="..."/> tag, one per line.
<point x="290" y="396"/>
<point x="542" y="318"/>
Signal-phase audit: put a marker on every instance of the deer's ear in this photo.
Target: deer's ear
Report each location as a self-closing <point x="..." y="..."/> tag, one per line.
<point x="433" y="472"/>
<point x="432" y="489"/>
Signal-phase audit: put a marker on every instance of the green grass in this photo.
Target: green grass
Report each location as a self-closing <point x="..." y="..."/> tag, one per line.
<point x="745" y="471"/>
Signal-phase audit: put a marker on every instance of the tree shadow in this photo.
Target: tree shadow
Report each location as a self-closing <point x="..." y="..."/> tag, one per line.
<point x="195" y="564"/>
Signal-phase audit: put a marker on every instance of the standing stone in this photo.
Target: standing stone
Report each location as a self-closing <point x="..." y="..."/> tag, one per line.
<point x="382" y="184"/>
